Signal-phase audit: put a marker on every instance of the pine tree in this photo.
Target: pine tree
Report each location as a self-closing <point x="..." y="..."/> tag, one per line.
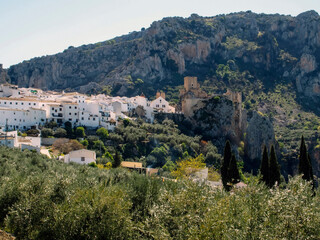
<point x="233" y="171"/>
<point x="264" y="168"/>
<point x="117" y="160"/>
<point x="225" y="164"/>
<point x="305" y="167"/>
<point x="274" y="170"/>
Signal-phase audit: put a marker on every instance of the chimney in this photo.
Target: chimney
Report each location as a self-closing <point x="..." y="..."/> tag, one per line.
<point x="158" y="94"/>
<point x="163" y="95"/>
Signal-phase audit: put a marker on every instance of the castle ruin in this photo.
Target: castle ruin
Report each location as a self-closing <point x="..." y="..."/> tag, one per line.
<point x="191" y="95"/>
<point x="191" y="99"/>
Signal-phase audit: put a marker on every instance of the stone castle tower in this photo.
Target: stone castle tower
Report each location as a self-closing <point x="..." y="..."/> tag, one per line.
<point x="239" y="116"/>
<point x="191" y="95"/>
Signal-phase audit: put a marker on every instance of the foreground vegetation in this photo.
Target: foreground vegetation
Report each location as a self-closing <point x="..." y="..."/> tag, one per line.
<point x="45" y="199"/>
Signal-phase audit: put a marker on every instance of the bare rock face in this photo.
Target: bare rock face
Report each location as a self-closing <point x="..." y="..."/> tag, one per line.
<point x="214" y="116"/>
<point x="307" y="63"/>
<point x="259" y="133"/>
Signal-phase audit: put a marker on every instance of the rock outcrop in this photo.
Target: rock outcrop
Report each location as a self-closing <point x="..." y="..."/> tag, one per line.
<point x="259" y="133"/>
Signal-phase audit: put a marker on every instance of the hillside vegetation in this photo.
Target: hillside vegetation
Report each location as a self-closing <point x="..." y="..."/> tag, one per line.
<point x="46" y="199"/>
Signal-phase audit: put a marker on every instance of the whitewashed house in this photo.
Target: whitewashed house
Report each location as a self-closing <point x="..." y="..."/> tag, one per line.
<point x="21" y="119"/>
<point x="82" y="156"/>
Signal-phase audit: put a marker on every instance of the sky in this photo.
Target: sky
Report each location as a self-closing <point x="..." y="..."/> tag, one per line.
<point x="34" y="28"/>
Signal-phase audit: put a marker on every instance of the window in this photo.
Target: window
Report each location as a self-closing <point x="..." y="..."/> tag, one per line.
<point x="82" y="118"/>
<point x="75" y="107"/>
<point x="75" y="113"/>
<point x="22" y="103"/>
<point x="160" y="100"/>
<point x="16" y="103"/>
<point x="55" y="110"/>
<point x="34" y="104"/>
<point x="163" y="105"/>
<point x="30" y="104"/>
<point x="70" y="119"/>
<point x="5" y="102"/>
<point x="94" y="119"/>
<point x="83" y="159"/>
<point x="60" y="109"/>
<point x="10" y="102"/>
<point x="69" y="113"/>
<point x="82" y="113"/>
<point x="69" y="107"/>
<point x="51" y="108"/>
<point x="157" y="105"/>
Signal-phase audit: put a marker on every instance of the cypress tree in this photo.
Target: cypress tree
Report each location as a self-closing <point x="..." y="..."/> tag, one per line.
<point x="264" y="168"/>
<point x="233" y="172"/>
<point x="310" y="169"/>
<point x="225" y="164"/>
<point x="274" y="170"/>
<point x="305" y="167"/>
<point x="117" y="160"/>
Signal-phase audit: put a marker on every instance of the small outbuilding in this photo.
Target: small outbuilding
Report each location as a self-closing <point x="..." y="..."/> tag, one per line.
<point x="82" y="156"/>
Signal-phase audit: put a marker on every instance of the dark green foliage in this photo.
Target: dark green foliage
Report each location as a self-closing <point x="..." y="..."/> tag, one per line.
<point x="60" y="133"/>
<point x="99" y="147"/>
<point x="68" y="127"/>
<point x="305" y="166"/>
<point x="156" y="143"/>
<point x="46" y="132"/>
<point x="264" y="168"/>
<point x="117" y="160"/>
<point x="80" y="133"/>
<point x="233" y="171"/>
<point x="102" y="133"/>
<point x="274" y="169"/>
<point x="158" y="157"/>
<point x="33" y="132"/>
<point x="51" y="124"/>
<point x="225" y="164"/>
<point x="84" y="142"/>
<point x="126" y="122"/>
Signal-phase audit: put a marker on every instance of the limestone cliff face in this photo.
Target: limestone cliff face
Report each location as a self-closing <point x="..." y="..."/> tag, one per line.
<point x="259" y="133"/>
<point x="279" y="47"/>
<point x="214" y="117"/>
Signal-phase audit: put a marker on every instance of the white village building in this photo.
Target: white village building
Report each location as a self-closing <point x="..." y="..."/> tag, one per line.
<point x="82" y="156"/>
<point x="23" y="108"/>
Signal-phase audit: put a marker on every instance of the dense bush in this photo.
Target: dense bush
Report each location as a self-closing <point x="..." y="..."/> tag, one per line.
<point x="46" y="199"/>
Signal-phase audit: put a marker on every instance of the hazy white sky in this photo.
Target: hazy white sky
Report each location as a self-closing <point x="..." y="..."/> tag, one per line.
<point x="33" y="28"/>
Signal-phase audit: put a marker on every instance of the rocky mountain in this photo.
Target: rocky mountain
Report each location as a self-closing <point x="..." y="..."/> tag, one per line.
<point x="271" y="47"/>
<point x="272" y="59"/>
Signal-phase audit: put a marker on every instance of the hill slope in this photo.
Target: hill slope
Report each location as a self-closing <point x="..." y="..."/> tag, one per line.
<point x="272" y="59"/>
